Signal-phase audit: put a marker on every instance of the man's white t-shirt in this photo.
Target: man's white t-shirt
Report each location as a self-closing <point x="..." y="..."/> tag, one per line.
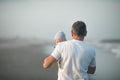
<point x="75" y="56"/>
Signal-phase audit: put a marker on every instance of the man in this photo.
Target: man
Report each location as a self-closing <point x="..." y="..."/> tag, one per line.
<point x="77" y="57"/>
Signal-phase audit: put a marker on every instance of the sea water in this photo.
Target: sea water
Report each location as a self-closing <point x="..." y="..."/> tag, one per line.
<point x="108" y="61"/>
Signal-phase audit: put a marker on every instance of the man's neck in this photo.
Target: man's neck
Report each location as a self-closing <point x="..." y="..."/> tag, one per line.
<point x="81" y="38"/>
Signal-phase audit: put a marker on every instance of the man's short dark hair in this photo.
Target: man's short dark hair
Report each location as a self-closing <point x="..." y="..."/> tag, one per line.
<point x="79" y="28"/>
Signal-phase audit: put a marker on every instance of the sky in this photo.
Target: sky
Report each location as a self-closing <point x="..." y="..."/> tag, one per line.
<point x="44" y="18"/>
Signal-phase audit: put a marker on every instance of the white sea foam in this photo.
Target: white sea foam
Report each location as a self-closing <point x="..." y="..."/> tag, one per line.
<point x="112" y="47"/>
<point x="116" y="51"/>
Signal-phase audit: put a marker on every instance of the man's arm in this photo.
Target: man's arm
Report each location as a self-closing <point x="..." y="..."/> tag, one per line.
<point x="92" y="65"/>
<point x="49" y="61"/>
<point x="91" y="70"/>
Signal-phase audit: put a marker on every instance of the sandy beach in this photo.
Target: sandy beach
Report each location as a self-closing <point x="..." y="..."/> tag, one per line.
<point x="24" y="63"/>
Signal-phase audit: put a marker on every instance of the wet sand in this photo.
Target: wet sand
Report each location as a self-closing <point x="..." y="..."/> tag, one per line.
<point x="25" y="63"/>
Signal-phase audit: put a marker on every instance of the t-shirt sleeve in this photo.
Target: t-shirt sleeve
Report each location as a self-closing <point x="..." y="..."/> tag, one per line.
<point x="56" y="52"/>
<point x="93" y="61"/>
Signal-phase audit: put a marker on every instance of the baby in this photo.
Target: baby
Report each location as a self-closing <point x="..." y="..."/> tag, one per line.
<point x="59" y="37"/>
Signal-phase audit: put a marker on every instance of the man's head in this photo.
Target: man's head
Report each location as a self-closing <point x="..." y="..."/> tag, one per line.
<point x="79" y="29"/>
<point x="59" y="37"/>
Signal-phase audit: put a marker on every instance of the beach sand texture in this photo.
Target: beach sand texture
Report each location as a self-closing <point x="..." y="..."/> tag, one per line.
<point x="24" y="63"/>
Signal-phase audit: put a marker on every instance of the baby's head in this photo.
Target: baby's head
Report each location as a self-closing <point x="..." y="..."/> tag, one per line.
<point x="59" y="37"/>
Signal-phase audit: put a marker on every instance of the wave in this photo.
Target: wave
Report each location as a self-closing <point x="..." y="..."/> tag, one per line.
<point x="110" y="45"/>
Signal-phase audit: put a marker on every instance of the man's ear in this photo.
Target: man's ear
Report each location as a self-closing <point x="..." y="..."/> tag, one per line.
<point x="71" y="33"/>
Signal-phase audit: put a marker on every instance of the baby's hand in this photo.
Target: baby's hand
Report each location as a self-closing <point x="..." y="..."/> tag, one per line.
<point x="58" y="63"/>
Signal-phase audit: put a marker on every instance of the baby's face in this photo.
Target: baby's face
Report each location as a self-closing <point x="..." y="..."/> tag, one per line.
<point x="58" y="40"/>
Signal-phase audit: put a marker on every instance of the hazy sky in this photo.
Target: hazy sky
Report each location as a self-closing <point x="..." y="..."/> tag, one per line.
<point x="45" y="17"/>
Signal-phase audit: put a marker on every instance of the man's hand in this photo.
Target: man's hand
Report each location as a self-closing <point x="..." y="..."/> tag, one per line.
<point x="49" y="61"/>
<point x="91" y="70"/>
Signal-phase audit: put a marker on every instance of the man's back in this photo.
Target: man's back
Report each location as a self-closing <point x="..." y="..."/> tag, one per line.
<point x="76" y="57"/>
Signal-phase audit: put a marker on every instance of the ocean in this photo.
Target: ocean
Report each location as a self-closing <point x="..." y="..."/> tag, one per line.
<point x="24" y="61"/>
<point x="107" y="59"/>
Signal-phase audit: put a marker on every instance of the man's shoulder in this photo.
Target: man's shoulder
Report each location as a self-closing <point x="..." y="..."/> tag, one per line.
<point x="64" y="43"/>
<point x="90" y="47"/>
